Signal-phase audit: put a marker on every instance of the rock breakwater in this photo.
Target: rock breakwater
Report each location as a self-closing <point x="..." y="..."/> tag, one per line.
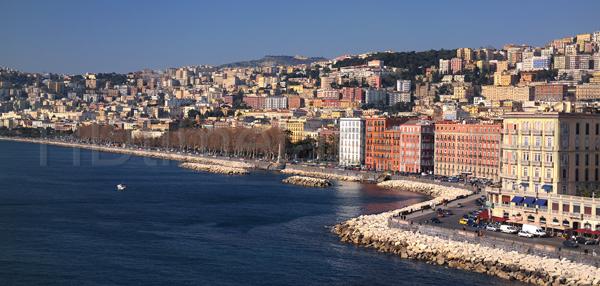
<point x="213" y="168"/>
<point x="307" y="181"/>
<point x="322" y="175"/>
<point x="374" y="231"/>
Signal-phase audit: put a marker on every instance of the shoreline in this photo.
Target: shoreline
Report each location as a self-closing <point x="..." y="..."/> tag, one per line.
<point x="377" y="231"/>
<point x="184" y="158"/>
<point x="374" y="231"/>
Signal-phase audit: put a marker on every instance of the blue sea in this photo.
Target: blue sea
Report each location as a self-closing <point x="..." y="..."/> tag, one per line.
<point x="63" y="223"/>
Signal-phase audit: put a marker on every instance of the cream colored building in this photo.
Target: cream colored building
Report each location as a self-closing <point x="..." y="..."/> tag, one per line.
<point x="500" y="93"/>
<point x="296" y="128"/>
<point x="550" y="169"/>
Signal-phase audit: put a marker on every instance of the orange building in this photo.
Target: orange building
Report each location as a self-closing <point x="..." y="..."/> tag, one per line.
<point x="399" y="144"/>
<point x="468" y="149"/>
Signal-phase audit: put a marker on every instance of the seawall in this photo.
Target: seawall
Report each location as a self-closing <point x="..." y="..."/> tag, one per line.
<point x="374" y="231"/>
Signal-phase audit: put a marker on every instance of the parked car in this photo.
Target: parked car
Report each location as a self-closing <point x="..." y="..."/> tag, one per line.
<point x="459" y="205"/>
<point x="570" y="244"/>
<point x="463" y="221"/>
<point x="492" y="227"/>
<point x="435" y="220"/>
<point x="523" y="233"/>
<point x="591" y="242"/>
<point x="508" y="228"/>
<point x="581" y="240"/>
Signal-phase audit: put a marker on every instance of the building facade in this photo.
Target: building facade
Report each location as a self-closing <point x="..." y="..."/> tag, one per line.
<point x="471" y="149"/>
<point x="399" y="144"/>
<point x="352" y="142"/>
<point x="550" y="170"/>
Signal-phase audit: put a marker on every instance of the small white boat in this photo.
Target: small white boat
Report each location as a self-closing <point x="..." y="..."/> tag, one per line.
<point x="121" y="187"/>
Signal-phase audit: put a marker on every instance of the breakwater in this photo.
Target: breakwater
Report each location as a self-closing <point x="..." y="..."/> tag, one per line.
<point x="307" y="181"/>
<point x="374" y="231"/>
<point x="322" y="175"/>
<point x="143" y="153"/>
<point x="214" y="168"/>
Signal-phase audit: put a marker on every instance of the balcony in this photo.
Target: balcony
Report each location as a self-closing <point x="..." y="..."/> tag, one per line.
<point x="525" y="132"/>
<point x="509" y="176"/>
<point x="536" y="163"/>
<point x="524" y="162"/>
<point x="537" y="179"/>
<point x="509" y="146"/>
<point x="548" y="180"/>
<point x="536" y="132"/>
<point x="549" y="132"/>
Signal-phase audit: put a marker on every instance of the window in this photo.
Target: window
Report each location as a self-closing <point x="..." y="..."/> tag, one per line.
<point x="576" y="159"/>
<point x="587" y="177"/>
<point x="566" y="208"/>
<point x="576" y="209"/>
<point x="587" y="159"/>
<point x="576" y="175"/>
<point x="548" y="173"/>
<point x="587" y="129"/>
<point x="577" y="129"/>
<point x="564" y="173"/>
<point x="597" y="129"/>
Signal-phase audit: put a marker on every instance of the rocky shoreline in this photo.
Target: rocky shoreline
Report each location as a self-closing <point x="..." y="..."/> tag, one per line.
<point x="374" y="231"/>
<point x="214" y="168"/>
<point x="141" y="153"/>
<point x="307" y="181"/>
<point x="328" y="176"/>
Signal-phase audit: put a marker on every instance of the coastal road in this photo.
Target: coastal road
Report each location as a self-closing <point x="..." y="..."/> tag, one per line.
<point x="469" y="204"/>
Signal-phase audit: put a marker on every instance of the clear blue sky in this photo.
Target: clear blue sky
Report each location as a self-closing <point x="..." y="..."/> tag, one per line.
<point x="113" y="35"/>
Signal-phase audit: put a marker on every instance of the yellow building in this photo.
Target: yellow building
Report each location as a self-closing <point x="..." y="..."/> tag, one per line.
<point x="504" y="79"/>
<point x="465" y="54"/>
<point x="550" y="169"/>
<point x="462" y="93"/>
<point x="298" y="88"/>
<point x="296" y="128"/>
<point x="500" y="93"/>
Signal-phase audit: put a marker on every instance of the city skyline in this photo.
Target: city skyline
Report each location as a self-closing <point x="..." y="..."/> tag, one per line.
<point x="122" y="37"/>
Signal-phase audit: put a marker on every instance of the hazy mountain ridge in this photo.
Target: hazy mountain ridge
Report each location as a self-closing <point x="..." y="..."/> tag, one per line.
<point x="276" y="61"/>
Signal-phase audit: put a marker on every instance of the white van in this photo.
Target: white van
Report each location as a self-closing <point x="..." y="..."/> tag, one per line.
<point x="534" y="229"/>
<point x="508" y="228"/>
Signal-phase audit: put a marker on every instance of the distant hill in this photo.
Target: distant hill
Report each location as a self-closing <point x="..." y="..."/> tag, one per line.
<point x="268" y="61"/>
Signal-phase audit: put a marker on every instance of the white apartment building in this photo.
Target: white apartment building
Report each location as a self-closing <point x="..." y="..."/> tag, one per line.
<point x="352" y="141"/>
<point x="403" y="85"/>
<point x="276" y="102"/>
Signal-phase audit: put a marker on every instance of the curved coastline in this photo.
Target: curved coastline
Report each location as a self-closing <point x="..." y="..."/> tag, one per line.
<point x="375" y="231"/>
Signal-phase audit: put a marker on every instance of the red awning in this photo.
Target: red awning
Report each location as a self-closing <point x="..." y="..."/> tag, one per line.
<point x="498" y="219"/>
<point x="484" y="215"/>
<point x="587" y="231"/>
